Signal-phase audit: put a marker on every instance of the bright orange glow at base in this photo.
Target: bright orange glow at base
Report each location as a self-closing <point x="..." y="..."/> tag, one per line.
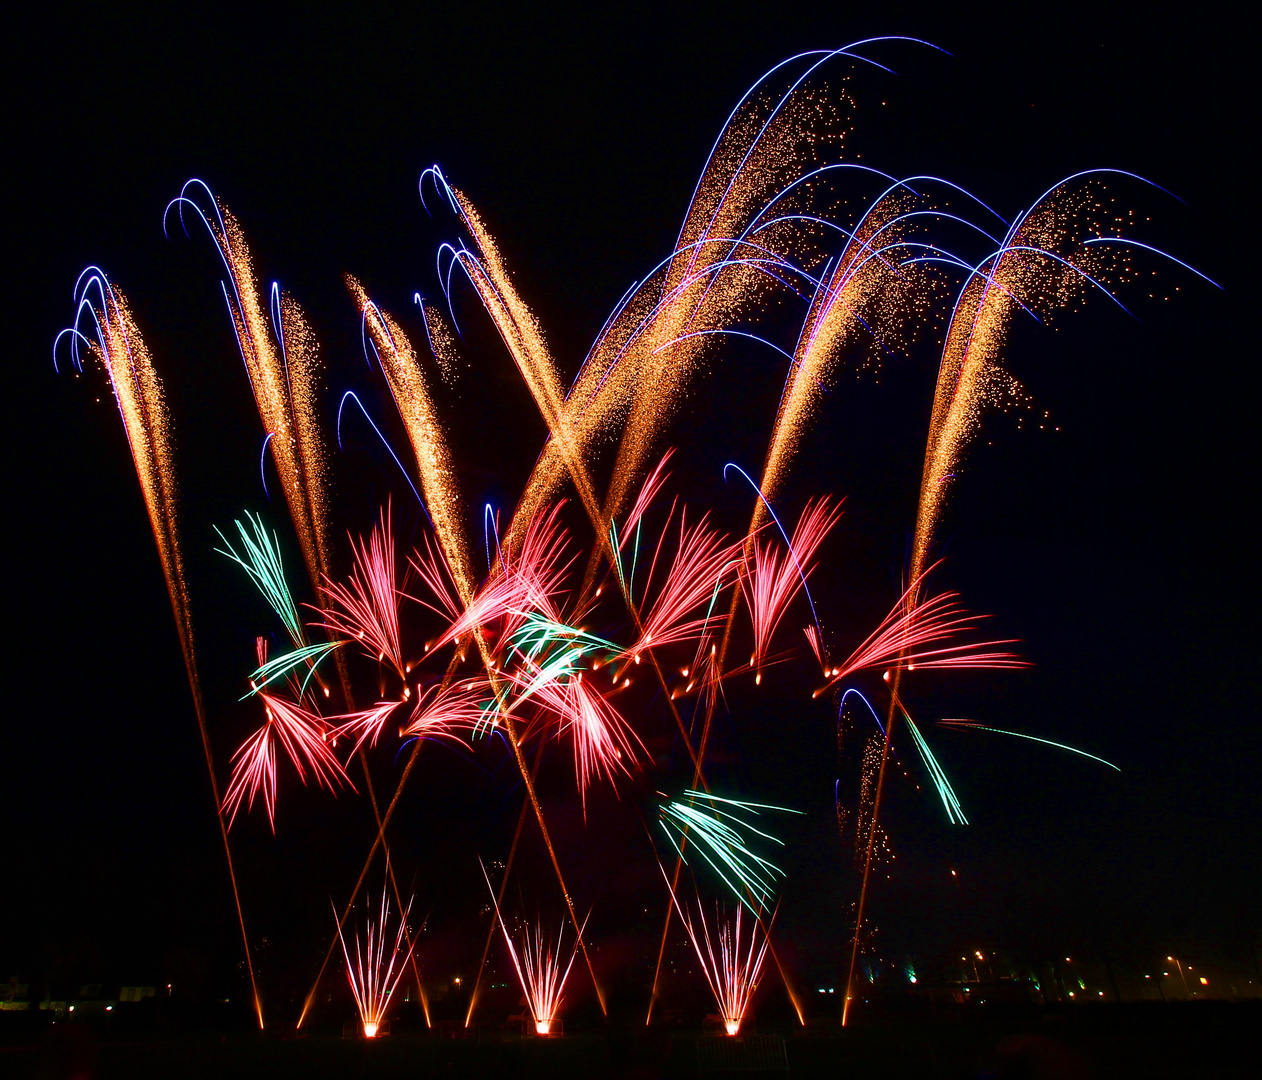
<point x="370" y="1031"/>
<point x="542" y="1027"/>
<point x="732" y="1026"/>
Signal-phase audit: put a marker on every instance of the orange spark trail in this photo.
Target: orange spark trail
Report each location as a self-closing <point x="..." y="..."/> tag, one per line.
<point x="866" y="294"/>
<point x="410" y="390"/>
<point x="1043" y="265"/>
<point x="281" y="362"/>
<point x="1046" y="264"/>
<point x="645" y="359"/>
<point x="720" y="265"/>
<point x="138" y="392"/>
<point x="521" y="334"/>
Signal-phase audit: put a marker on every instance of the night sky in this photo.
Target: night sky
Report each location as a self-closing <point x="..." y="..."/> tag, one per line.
<point x="1116" y="548"/>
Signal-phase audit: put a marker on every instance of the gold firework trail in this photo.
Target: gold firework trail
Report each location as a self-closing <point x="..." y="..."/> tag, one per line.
<point x="522" y="336"/>
<point x="740" y="241"/>
<point x="1048" y="259"/>
<point x="280" y="358"/>
<point x="406" y="379"/>
<point x="137" y="389"/>
<point x="867" y="293"/>
<point x="1056" y="253"/>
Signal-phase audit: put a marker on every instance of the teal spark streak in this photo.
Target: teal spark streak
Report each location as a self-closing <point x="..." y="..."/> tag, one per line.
<point x="945" y="791"/>
<point x="564" y="648"/>
<point x="280" y="667"/>
<point x="263" y="563"/>
<point x="538" y="634"/>
<point x="617" y="555"/>
<point x="635" y="558"/>
<point x="1035" y="738"/>
<point x="724" y="847"/>
<point x="714" y="596"/>
<point x="561" y="664"/>
<point x="627" y="583"/>
<point x="491" y="708"/>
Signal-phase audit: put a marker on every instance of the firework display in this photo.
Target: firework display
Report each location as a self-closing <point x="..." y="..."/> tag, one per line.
<point x="610" y="610"/>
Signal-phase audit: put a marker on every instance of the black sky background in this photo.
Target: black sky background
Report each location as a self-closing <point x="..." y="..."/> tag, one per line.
<point x="1117" y="548"/>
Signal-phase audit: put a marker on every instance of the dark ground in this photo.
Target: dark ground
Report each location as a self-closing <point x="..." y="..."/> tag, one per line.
<point x="1208" y="1039"/>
